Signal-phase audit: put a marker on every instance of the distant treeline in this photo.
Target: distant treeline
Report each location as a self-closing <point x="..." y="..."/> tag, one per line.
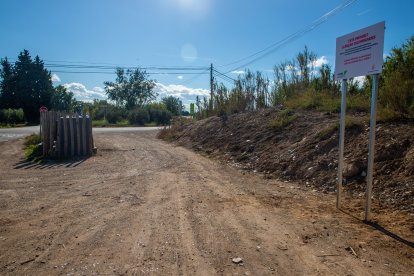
<point x="26" y="85"/>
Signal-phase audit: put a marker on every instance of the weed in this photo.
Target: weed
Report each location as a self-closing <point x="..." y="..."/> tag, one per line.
<point x="33" y="147"/>
<point x="284" y="118"/>
<point x="350" y="123"/>
<point x="33" y="139"/>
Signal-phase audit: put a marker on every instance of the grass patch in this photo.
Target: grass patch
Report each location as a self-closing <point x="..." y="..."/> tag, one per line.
<point x="99" y="123"/>
<point x="105" y="123"/>
<point x="326" y="101"/>
<point x="284" y="118"/>
<point x="152" y="124"/>
<point x="13" y="126"/>
<point x="350" y="123"/>
<point x="33" y="147"/>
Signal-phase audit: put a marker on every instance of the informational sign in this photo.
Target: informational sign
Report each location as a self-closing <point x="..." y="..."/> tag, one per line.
<point x="360" y="53"/>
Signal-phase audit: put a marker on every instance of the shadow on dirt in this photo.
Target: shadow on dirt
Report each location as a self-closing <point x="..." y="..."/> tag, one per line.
<point x="381" y="229"/>
<point x="389" y="233"/>
<point x="48" y="164"/>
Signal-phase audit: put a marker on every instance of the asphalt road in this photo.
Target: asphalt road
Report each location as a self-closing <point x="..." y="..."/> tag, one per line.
<point x="7" y="134"/>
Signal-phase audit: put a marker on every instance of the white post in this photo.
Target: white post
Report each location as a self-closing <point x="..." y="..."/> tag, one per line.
<point x="341" y="144"/>
<point x="371" y="147"/>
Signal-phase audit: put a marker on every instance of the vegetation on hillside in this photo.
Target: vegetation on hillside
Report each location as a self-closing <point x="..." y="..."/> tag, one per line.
<point x="299" y="84"/>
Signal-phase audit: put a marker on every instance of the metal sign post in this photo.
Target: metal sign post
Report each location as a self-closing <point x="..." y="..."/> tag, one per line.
<point x="359" y="54"/>
<point x="371" y="147"/>
<point x="341" y="143"/>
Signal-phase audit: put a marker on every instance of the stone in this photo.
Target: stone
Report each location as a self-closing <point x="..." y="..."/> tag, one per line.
<point x="237" y="260"/>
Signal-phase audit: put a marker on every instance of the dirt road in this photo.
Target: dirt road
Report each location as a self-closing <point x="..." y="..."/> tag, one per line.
<point x="142" y="206"/>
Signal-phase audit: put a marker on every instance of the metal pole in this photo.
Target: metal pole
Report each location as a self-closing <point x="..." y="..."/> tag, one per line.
<point x="211" y="88"/>
<point x="341" y="143"/>
<point x="371" y="147"/>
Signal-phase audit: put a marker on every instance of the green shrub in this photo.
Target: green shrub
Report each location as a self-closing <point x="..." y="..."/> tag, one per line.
<point x="33" y="152"/>
<point x="350" y="123"/>
<point x="11" y="116"/>
<point x="33" y="139"/>
<point x="284" y="118"/>
<point x="33" y="147"/>
<point x="160" y="116"/>
<point x="115" y="114"/>
<point x="138" y="116"/>
<point x="396" y="95"/>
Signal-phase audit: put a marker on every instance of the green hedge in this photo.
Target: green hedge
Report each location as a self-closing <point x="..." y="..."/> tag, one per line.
<point x="11" y="116"/>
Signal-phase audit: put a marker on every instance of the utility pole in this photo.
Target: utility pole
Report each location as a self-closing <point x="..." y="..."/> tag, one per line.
<point x="211" y="87"/>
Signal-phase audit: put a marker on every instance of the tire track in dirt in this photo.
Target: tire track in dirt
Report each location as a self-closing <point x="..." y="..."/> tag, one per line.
<point x="143" y="207"/>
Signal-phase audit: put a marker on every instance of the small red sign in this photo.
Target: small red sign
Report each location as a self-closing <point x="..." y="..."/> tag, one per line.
<point x="43" y="108"/>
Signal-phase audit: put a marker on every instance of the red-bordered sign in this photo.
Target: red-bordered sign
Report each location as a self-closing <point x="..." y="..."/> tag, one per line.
<point x="43" y="108"/>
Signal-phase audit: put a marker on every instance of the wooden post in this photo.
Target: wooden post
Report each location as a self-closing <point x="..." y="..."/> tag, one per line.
<point x="72" y="135"/>
<point x="65" y="135"/>
<point x="52" y="124"/>
<point x="58" y="136"/>
<point x="78" y="133"/>
<point x="90" y="136"/>
<point x="42" y="132"/>
<point x="83" y="134"/>
<point x="46" y="133"/>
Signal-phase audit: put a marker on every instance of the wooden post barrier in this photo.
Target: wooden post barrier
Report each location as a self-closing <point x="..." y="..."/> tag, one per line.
<point x="66" y="134"/>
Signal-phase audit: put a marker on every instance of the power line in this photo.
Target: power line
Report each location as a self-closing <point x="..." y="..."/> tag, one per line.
<point x="103" y="72"/>
<point x="223" y="75"/>
<point x="102" y="67"/>
<point x="224" y="79"/>
<point x="272" y="48"/>
<point x="185" y="82"/>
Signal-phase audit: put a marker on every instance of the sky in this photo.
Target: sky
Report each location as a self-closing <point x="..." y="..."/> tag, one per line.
<point x="183" y="35"/>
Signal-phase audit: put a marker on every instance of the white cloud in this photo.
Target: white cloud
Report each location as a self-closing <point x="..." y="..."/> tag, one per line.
<point x="180" y="77"/>
<point x="291" y="68"/>
<point x="320" y="61"/>
<point x="360" y="80"/>
<point x="238" y="72"/>
<point x="186" y="94"/>
<point x="55" y="78"/>
<point x="82" y="93"/>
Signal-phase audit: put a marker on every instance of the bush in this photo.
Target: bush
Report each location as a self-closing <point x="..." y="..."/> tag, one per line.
<point x="33" y="147"/>
<point x="11" y="116"/>
<point x="33" y="139"/>
<point x="115" y="114"/>
<point x="160" y="116"/>
<point x="138" y="116"/>
<point x="284" y="118"/>
<point x="397" y="92"/>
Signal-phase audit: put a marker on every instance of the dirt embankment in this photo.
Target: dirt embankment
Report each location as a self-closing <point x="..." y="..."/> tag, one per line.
<point x="304" y="148"/>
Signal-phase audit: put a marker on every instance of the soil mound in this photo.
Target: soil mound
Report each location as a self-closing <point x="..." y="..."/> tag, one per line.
<point x="303" y="146"/>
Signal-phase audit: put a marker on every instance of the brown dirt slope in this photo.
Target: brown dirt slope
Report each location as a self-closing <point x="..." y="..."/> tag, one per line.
<point x="306" y="150"/>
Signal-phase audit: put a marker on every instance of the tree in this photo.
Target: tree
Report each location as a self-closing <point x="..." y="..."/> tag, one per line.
<point x="397" y="93"/>
<point x="306" y="60"/>
<point x="172" y="104"/>
<point x="131" y="89"/>
<point x="26" y="85"/>
<point x="62" y="100"/>
<point x="7" y="92"/>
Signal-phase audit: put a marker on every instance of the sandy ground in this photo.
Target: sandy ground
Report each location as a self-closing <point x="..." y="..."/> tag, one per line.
<point x="142" y="206"/>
